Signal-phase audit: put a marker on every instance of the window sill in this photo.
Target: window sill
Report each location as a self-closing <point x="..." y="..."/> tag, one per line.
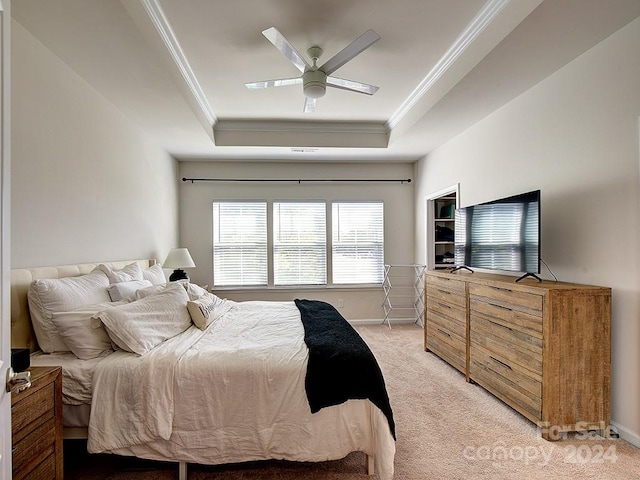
<point x="300" y="288"/>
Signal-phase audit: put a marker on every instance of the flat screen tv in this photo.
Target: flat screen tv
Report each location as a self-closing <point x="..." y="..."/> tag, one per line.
<point x="502" y="234"/>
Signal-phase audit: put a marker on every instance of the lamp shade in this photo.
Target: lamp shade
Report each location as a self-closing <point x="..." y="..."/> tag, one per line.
<point x="178" y="258"/>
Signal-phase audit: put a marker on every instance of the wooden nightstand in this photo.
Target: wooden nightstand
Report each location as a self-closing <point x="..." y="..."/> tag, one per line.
<point x="36" y="424"/>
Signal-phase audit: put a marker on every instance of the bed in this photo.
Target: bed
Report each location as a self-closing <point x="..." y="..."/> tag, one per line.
<point x="239" y="381"/>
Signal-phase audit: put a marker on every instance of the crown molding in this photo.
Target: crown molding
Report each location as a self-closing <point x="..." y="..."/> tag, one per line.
<point x="163" y="27"/>
<point x="478" y="24"/>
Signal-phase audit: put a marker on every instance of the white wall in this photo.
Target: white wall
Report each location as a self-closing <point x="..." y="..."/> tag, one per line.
<point x="575" y="136"/>
<point x="196" y="228"/>
<point x="86" y="184"/>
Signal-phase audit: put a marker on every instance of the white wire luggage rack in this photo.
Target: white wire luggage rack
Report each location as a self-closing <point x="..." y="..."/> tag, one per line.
<point x="403" y="293"/>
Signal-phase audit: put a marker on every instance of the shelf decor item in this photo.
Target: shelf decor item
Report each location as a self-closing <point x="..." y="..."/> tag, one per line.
<point x="178" y="259"/>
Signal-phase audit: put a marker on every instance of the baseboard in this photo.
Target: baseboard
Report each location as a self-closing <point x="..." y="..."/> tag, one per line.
<point x="627" y="435"/>
<point x="379" y="321"/>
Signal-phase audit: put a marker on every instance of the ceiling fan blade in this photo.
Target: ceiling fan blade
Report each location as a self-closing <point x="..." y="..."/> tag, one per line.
<point x="309" y="105"/>
<point x="347" y="53"/>
<point x="351" y="85"/>
<point x="282" y="44"/>
<point x="280" y="82"/>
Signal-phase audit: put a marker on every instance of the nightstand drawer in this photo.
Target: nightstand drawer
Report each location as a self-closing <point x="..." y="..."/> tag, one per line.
<point x="36" y="433"/>
<point x="30" y="412"/>
<point x="34" y="449"/>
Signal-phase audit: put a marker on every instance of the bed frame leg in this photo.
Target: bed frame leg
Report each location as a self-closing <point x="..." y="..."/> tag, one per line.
<point x="182" y="471"/>
<point x="371" y="465"/>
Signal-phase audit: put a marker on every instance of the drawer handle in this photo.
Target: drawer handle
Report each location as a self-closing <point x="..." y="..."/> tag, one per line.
<point x="444" y="333"/>
<point x="503" y="289"/>
<point x="501" y="363"/>
<point x="500" y="325"/>
<point x="502" y="307"/>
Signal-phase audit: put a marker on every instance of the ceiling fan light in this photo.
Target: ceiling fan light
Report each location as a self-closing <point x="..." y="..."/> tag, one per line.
<point x="314" y="83"/>
<point x="314" y="90"/>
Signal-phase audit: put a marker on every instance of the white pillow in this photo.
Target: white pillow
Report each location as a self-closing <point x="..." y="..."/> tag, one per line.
<point x="154" y="274"/>
<point x="133" y="271"/>
<point x="141" y="325"/>
<point x="194" y="291"/>
<point x="47" y="296"/>
<point x="145" y="292"/>
<point x="126" y="290"/>
<point x="76" y="329"/>
<point x="206" y="309"/>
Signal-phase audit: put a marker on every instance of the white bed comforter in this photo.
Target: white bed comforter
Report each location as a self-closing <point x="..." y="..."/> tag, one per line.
<point x="234" y="392"/>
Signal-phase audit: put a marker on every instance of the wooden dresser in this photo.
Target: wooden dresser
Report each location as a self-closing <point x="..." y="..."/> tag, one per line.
<point x="36" y="420"/>
<point x="543" y="348"/>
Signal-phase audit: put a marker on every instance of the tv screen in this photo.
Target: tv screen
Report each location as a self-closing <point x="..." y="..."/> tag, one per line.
<point x="503" y="234"/>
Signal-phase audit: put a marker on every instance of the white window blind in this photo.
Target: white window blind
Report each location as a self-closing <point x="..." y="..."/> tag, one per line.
<point x="239" y="243"/>
<point x="358" y="242"/>
<point x="299" y="243"/>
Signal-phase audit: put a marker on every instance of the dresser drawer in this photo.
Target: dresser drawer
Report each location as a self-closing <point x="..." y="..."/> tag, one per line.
<point x="507" y="298"/>
<point x="507" y="380"/>
<point x="435" y="293"/>
<point x="452" y="317"/>
<point x="515" y="319"/>
<point x="448" y="346"/>
<point x="509" y="344"/>
<point x="450" y="285"/>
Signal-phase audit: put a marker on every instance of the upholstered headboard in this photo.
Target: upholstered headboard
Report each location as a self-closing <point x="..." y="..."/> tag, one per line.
<point x="22" y="335"/>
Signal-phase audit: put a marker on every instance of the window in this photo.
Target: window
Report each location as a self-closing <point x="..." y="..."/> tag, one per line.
<point x="358" y="242"/>
<point x="299" y="243"/>
<point x="240" y="243"/>
<point x="286" y="243"/>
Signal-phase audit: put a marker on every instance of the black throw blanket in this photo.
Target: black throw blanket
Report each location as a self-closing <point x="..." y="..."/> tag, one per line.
<point x="341" y="365"/>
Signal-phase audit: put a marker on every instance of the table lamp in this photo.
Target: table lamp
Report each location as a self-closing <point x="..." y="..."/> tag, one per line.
<point x="178" y="259"/>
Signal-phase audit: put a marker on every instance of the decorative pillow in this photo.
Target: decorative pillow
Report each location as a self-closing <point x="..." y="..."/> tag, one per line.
<point x="133" y="271"/>
<point x="76" y="329"/>
<point x="154" y="274"/>
<point x="126" y="290"/>
<point x="206" y="309"/>
<point x="142" y="325"/>
<point x="47" y="296"/>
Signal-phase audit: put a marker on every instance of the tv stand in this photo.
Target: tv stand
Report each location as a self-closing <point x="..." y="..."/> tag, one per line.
<point x="528" y="275"/>
<point x="543" y="348"/>
<point x="461" y="267"/>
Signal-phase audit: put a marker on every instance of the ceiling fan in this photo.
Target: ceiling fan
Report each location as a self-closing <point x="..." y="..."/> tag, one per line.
<point x="315" y="79"/>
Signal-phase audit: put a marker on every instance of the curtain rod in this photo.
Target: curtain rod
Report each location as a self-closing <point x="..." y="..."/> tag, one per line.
<point x="298" y="180"/>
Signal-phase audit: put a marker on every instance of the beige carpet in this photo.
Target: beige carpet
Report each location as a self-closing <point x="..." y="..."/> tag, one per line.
<point x="447" y="429"/>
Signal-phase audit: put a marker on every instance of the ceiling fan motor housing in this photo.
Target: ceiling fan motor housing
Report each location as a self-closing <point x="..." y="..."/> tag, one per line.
<point x="314" y="83"/>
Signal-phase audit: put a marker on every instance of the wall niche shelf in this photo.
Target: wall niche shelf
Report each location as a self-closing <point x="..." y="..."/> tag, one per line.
<point x="444" y="208"/>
